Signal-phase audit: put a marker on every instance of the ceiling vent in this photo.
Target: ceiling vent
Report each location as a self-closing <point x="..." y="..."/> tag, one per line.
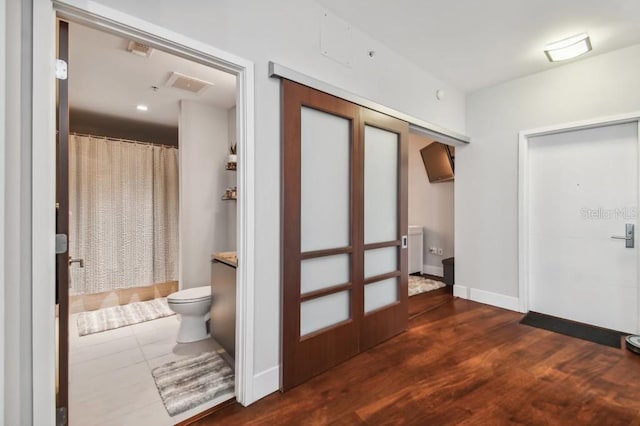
<point x="139" y="49"/>
<point x="190" y="84"/>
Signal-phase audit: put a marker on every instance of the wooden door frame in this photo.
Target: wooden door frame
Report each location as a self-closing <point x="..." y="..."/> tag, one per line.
<point x="43" y="190"/>
<point x="524" y="288"/>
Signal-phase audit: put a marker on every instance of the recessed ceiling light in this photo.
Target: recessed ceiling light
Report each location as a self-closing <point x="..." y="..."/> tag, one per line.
<point x="568" y="48"/>
<point x="142" y="108"/>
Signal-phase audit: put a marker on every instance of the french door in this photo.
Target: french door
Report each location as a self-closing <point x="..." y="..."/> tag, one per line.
<point x="344" y="228"/>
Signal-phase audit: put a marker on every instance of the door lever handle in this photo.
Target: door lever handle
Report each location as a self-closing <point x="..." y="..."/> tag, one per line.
<point x="629" y="236"/>
<point x="80" y="261"/>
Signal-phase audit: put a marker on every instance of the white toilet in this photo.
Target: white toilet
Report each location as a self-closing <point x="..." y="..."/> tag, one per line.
<point x="193" y="305"/>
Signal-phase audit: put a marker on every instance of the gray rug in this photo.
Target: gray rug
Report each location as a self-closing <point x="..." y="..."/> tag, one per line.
<point x="189" y="382"/>
<point x="121" y="316"/>
<point x="419" y="285"/>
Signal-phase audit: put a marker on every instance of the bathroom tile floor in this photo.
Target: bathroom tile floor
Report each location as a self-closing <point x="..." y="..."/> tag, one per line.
<point x="110" y="380"/>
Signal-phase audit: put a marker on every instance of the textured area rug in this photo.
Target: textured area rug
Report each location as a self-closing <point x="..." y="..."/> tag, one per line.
<point x="594" y="334"/>
<point x="189" y="382"/>
<point x="419" y="285"/>
<point x="121" y="316"/>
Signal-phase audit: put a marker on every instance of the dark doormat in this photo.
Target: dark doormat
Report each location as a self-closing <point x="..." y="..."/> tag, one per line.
<point x="603" y="336"/>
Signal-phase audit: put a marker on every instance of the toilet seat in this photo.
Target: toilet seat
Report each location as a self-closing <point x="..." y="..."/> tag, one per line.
<point x="190" y="295"/>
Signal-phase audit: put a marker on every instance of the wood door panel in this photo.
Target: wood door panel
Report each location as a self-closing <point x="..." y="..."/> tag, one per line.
<point x="304" y="357"/>
<point x="383" y="324"/>
<point x="62" y="220"/>
<point x="323" y="350"/>
<point x="386" y="322"/>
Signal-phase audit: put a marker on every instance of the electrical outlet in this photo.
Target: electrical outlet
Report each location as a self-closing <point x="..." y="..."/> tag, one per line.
<point x="439" y="252"/>
<point x="433" y="250"/>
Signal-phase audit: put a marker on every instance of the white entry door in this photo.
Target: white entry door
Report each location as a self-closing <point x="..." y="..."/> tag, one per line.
<point x="583" y="190"/>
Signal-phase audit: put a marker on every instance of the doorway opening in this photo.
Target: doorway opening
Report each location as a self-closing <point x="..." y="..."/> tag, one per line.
<point x="578" y="202"/>
<point x="230" y="194"/>
<point x="431" y="222"/>
<point x="151" y="141"/>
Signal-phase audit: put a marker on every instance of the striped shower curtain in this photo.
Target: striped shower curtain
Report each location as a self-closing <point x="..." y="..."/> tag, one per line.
<point x="123" y="200"/>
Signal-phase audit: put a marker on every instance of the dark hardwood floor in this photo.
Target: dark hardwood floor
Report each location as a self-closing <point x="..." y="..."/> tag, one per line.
<point x="427" y="301"/>
<point x="462" y="362"/>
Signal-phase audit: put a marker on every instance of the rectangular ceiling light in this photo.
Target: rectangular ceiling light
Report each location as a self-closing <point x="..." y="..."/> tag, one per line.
<point x="568" y="48"/>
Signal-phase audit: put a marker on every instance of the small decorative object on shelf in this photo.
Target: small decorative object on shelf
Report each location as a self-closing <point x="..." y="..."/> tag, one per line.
<point x="232" y="158"/>
<point x="230" y="194"/>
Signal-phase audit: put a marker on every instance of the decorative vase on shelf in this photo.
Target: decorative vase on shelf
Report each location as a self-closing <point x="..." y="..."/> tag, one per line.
<point x="231" y="194"/>
<point x="232" y="158"/>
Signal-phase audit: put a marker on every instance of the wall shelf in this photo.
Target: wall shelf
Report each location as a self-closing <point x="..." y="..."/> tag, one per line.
<point x="231" y="194"/>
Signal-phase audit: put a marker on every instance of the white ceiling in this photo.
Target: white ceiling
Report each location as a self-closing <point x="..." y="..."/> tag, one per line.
<point x="473" y="44"/>
<point x="104" y="78"/>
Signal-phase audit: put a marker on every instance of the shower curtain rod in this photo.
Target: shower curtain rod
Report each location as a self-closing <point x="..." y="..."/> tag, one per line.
<point x="122" y="140"/>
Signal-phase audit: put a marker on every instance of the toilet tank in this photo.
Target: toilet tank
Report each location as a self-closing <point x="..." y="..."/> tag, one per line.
<point x="415" y="248"/>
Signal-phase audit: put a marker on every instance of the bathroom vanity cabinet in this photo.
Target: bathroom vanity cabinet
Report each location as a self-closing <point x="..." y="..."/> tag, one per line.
<point x="223" y="306"/>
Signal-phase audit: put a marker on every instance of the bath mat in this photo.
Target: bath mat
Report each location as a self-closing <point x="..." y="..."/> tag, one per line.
<point x="419" y="285"/>
<point x="121" y="316"/>
<point x="603" y="336"/>
<point x="192" y="381"/>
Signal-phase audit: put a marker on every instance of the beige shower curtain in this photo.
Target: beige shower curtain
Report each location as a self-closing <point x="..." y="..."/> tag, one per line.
<point x="123" y="220"/>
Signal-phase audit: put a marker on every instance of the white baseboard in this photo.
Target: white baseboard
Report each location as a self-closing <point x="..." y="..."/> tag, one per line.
<point x="461" y="291"/>
<point x="265" y="383"/>
<point x="495" y="299"/>
<point x="487" y="297"/>
<point x="438" y="271"/>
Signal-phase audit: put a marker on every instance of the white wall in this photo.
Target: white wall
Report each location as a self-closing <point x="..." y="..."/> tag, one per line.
<point x="232" y="180"/>
<point x="3" y="135"/>
<point x="430" y="205"/>
<point x="203" y="214"/>
<point x="14" y="362"/>
<point x="486" y="197"/>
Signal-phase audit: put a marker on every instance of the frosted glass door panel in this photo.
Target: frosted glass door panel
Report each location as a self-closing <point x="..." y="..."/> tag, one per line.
<point x="325" y="179"/>
<point x="380" y="185"/>
<point x="380" y="261"/>
<point x="323" y="272"/>
<point x="380" y="294"/>
<point x="324" y="312"/>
